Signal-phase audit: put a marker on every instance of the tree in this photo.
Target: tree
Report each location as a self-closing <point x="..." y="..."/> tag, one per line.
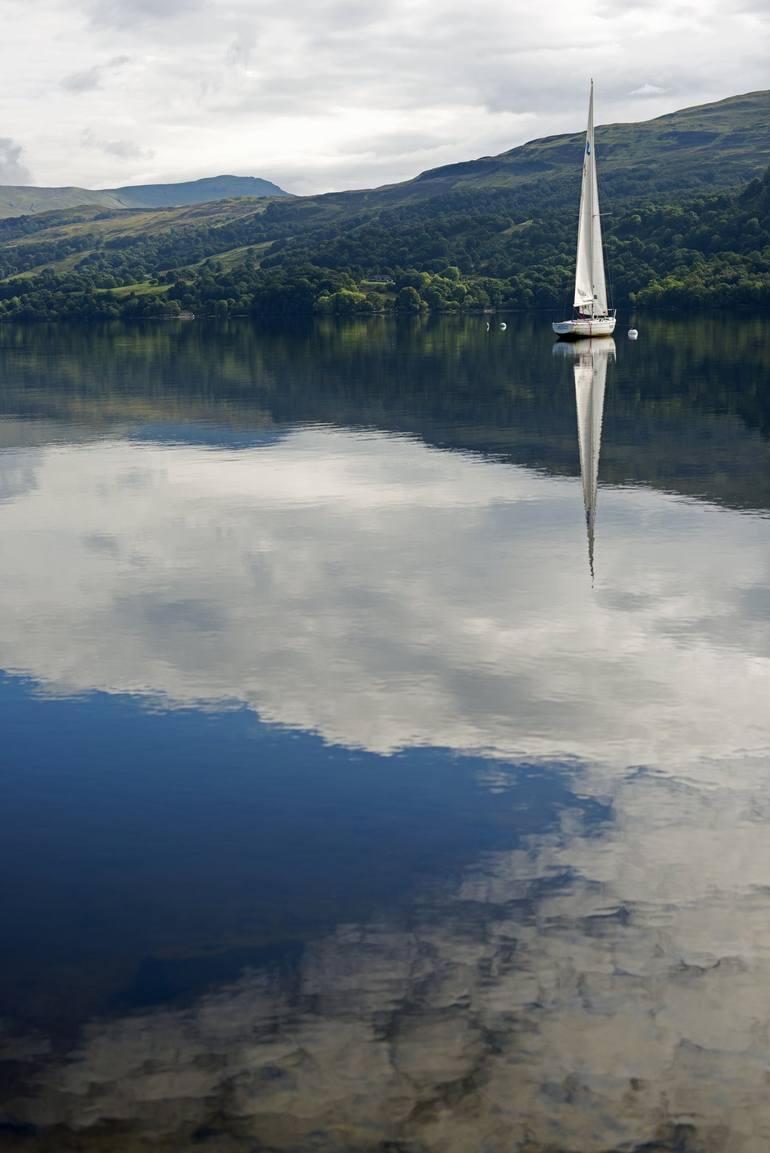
<point x="409" y="300"/>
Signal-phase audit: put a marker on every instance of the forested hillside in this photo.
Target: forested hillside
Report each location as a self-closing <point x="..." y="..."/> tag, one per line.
<point x="497" y="233"/>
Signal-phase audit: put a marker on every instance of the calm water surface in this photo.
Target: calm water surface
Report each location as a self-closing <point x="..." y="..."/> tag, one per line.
<point x="385" y="755"/>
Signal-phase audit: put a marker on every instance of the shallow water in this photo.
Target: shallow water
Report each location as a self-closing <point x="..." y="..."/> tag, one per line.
<point x="372" y="779"/>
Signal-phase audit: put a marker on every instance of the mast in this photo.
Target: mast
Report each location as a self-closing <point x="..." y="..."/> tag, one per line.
<point x="590" y="286"/>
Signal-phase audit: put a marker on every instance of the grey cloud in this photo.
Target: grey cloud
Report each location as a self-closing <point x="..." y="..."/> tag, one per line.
<point x="608" y="10"/>
<point x="84" y="81"/>
<point x="756" y="8"/>
<point x="407" y="64"/>
<point x="12" y="168"/>
<point x="121" y="13"/>
<point x="240" y="52"/>
<point x="387" y="144"/>
<point x="123" y="149"/>
<point x="92" y="78"/>
<point x="126" y="150"/>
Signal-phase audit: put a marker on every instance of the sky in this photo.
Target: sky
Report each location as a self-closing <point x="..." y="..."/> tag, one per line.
<point x="342" y="93"/>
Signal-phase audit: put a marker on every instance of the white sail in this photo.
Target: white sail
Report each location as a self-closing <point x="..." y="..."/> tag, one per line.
<point x="590" y="286"/>
<point x="590" y="379"/>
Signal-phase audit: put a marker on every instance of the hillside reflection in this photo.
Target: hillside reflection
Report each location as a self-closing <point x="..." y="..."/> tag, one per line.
<point x="689" y="412"/>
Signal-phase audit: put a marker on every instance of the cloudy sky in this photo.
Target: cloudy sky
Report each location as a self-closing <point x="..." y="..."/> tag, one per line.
<point x="341" y="93"/>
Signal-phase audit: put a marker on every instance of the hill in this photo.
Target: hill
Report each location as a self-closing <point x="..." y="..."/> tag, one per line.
<point x="709" y="146"/>
<point x="21" y="201"/>
<point x="689" y="222"/>
<point x="193" y="191"/>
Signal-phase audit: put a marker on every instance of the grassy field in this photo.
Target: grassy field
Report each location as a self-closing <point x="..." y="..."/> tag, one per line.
<point x="141" y="289"/>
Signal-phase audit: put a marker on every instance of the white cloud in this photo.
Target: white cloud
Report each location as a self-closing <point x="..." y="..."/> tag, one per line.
<point x="648" y="90"/>
<point x="287" y="90"/>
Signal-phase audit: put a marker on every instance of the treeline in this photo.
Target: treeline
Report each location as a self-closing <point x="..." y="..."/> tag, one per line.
<point x="459" y="252"/>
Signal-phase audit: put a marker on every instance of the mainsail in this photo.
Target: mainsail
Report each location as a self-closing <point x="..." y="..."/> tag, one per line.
<point x="590" y="287"/>
<point x="590" y="380"/>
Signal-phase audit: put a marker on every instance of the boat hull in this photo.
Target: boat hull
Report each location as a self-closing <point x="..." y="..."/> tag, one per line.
<point x="582" y="327"/>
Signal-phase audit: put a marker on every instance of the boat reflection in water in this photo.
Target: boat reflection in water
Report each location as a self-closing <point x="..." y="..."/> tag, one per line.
<point x="590" y="366"/>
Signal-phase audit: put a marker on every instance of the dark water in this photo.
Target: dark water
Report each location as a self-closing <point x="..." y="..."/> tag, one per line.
<point x="372" y="779"/>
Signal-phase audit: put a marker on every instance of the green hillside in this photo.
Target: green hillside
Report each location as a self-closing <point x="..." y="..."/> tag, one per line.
<point x="688" y="223"/>
<point x="22" y="201"/>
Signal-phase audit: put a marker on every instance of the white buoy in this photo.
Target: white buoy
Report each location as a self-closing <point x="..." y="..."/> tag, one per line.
<point x="487" y="326"/>
<point x="503" y="326"/>
<point x="633" y="333"/>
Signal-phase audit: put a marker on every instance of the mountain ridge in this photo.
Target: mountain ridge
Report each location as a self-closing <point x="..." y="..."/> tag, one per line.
<point x="23" y="200"/>
<point x="202" y="191"/>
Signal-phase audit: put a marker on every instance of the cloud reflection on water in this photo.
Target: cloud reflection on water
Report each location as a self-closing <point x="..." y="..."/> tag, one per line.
<point x="598" y="990"/>
<point x="386" y="595"/>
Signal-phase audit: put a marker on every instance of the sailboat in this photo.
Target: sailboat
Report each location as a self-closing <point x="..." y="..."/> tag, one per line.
<point x="592" y="318"/>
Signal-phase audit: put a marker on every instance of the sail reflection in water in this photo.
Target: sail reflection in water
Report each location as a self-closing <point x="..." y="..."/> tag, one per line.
<point x="590" y="367"/>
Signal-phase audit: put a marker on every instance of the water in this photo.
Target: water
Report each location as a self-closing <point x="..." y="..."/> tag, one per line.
<point x="369" y="782"/>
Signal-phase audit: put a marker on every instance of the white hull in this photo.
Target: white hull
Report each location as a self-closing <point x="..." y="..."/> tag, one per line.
<point x="585" y="327"/>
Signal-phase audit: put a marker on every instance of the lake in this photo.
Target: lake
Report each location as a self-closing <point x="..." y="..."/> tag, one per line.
<point x="385" y="738"/>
